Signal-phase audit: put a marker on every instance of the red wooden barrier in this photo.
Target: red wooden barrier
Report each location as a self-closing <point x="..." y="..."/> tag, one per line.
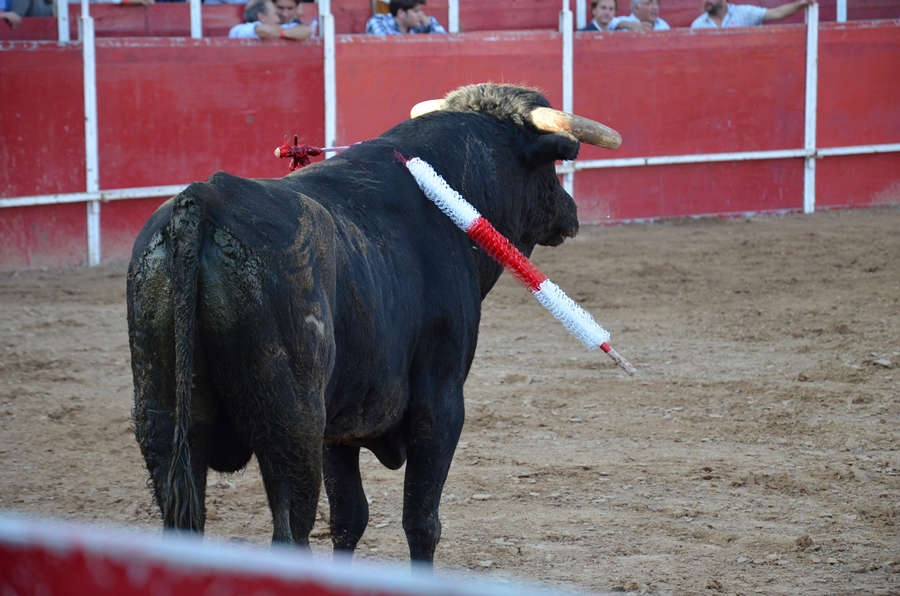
<point x="858" y="181"/>
<point x="50" y="236"/>
<point x="397" y="73"/>
<point x="116" y="20"/>
<point x="504" y="15"/>
<point x="120" y="222"/>
<point x="765" y="186"/>
<point x="169" y="111"/>
<point x="749" y="98"/>
<point x="350" y="16"/>
<point x="172" y="111"/>
<point x="859" y="84"/>
<point x="859" y="87"/>
<point x="42" y="143"/>
<point x="173" y="19"/>
<point x="687" y="92"/>
<point x="47" y="558"/>
<point x="690" y="92"/>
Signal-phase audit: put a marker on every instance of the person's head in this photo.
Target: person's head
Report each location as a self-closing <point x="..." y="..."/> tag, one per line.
<point x="645" y="10"/>
<point x="408" y="13"/>
<point x="260" y="10"/>
<point x="288" y="10"/>
<point x="715" y="7"/>
<point x="603" y="11"/>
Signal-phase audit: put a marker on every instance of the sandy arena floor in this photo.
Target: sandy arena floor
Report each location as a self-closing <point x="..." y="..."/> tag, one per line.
<point x="756" y="451"/>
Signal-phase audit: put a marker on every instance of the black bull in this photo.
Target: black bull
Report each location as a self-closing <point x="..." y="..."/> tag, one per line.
<point x="302" y="318"/>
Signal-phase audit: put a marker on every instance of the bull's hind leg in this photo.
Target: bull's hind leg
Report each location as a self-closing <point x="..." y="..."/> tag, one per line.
<point x="292" y="475"/>
<point x="285" y="422"/>
<point x="430" y="452"/>
<point x="266" y="319"/>
<point x="346" y="498"/>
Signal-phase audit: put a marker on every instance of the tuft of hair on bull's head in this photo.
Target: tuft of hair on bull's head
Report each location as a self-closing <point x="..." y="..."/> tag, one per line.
<point x="554" y="136"/>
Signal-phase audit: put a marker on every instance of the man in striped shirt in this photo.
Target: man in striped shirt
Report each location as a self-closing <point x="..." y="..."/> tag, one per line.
<point x="405" y="16"/>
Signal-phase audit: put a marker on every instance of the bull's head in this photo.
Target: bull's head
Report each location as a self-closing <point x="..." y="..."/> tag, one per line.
<point x="554" y="135"/>
<point x="549" y="120"/>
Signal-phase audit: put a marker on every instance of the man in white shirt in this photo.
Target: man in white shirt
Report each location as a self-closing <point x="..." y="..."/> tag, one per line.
<point x="719" y="13"/>
<point x="262" y="23"/>
<point x="644" y="17"/>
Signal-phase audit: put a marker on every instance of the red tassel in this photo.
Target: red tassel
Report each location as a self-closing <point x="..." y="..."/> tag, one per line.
<point x="298" y="154"/>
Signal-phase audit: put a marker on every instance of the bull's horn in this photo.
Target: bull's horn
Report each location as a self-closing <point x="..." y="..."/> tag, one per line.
<point x="585" y="130"/>
<point x="423" y="107"/>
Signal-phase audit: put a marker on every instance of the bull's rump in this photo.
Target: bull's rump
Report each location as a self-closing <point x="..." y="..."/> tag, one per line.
<point x="263" y="337"/>
<point x="353" y="293"/>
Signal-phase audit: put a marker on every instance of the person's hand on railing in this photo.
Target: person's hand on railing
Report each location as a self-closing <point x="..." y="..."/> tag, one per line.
<point x="635" y="26"/>
<point x="12" y="18"/>
<point x="786" y="10"/>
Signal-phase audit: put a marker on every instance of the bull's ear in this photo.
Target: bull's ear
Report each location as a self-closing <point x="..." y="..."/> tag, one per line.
<point x="548" y="148"/>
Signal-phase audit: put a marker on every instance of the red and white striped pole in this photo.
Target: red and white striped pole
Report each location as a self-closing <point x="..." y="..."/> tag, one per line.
<point x="577" y="320"/>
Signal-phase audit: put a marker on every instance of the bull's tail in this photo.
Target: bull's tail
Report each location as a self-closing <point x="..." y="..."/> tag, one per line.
<point x="183" y="508"/>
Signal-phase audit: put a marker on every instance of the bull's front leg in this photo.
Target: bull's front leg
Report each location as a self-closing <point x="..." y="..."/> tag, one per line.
<point x="430" y="453"/>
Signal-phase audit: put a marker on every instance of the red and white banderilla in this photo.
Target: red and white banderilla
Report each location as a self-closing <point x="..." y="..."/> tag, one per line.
<point x="577" y="320"/>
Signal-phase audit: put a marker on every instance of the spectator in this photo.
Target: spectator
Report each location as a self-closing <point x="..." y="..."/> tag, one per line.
<point x="604" y="13"/>
<point x="289" y="11"/>
<point x="13" y="19"/>
<point x="31" y="8"/>
<point x="405" y="16"/>
<point x="290" y="14"/>
<point x="124" y="2"/>
<point x="261" y="22"/>
<point x="644" y="17"/>
<point x="719" y="13"/>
